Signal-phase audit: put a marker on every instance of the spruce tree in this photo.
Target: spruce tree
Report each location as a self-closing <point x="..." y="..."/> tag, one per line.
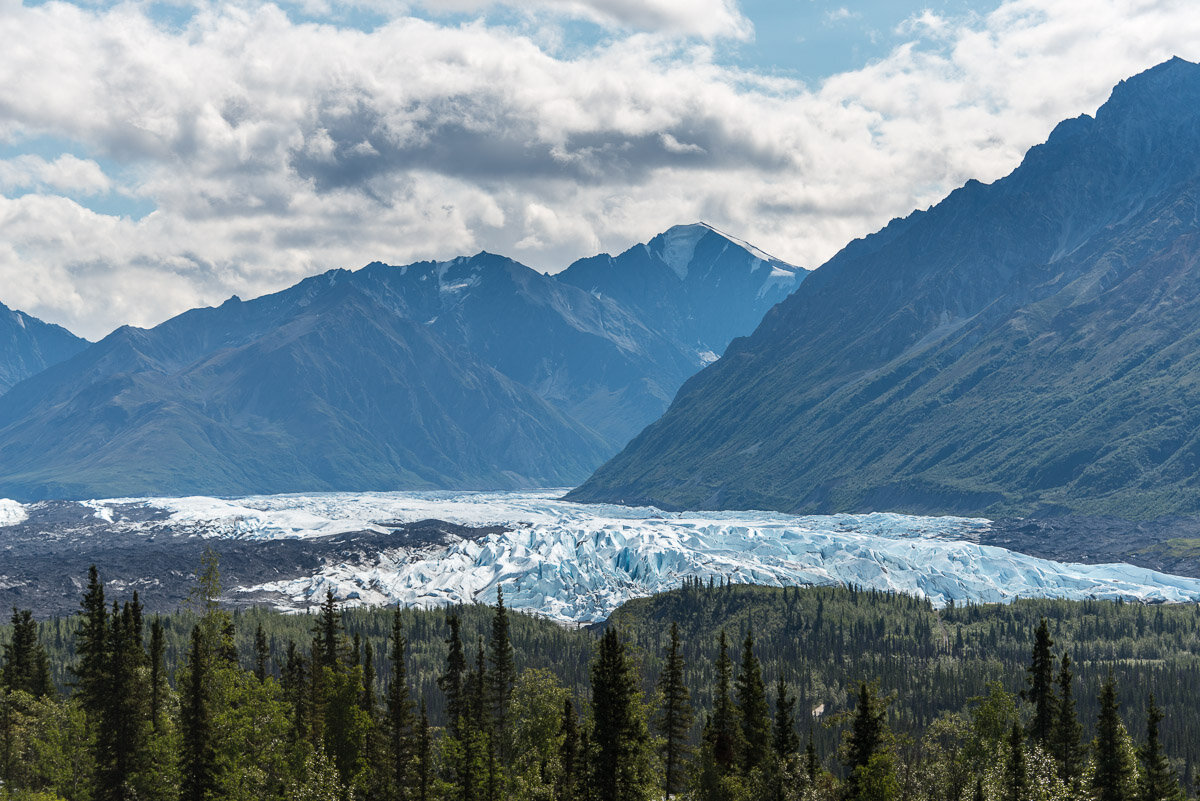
<point x="25" y="666"/>
<point x="866" y="737"/>
<point x="1065" y="739"/>
<point x="674" y="719"/>
<point x="451" y="682"/>
<point x="1158" y="781"/>
<point x="17" y="664"/>
<point x="1016" y="775"/>
<point x="1040" y="692"/>
<point x="198" y="760"/>
<point x="262" y="654"/>
<point x="330" y="648"/>
<point x="158" y="673"/>
<point x="812" y="763"/>
<point x="724" y="731"/>
<point x="121" y="734"/>
<point x="226" y="644"/>
<point x="369" y="678"/>
<point x="1111" y="780"/>
<point x="41" y="685"/>
<point x="294" y="679"/>
<point x="318" y="694"/>
<point x="424" y="758"/>
<point x="752" y="708"/>
<point x="568" y="754"/>
<point x="501" y="670"/>
<point x="479" y="708"/>
<point x="785" y="740"/>
<point x="400" y="719"/>
<point x="618" y="731"/>
<point x="91" y="647"/>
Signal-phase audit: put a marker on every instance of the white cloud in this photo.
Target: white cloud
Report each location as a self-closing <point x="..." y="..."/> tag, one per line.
<point x="926" y="23"/>
<point x="272" y="149"/>
<point x="840" y="14"/>
<point x="67" y="173"/>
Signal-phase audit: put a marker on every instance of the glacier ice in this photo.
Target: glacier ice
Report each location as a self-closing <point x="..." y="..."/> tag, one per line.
<point x="11" y="513"/>
<point x="578" y="562"/>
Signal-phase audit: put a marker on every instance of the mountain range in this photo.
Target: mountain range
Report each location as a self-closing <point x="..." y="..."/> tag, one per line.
<point x="478" y="372"/>
<point x="1031" y="346"/>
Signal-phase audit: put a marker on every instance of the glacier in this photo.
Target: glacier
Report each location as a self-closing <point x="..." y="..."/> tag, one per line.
<point x="11" y="512"/>
<point x="576" y="563"/>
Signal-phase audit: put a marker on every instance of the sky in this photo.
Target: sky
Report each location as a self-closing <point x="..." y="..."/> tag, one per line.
<point x="161" y="155"/>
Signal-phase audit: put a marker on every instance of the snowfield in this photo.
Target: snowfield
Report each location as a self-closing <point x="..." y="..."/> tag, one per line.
<point x="577" y="563"/>
<point x="11" y="513"/>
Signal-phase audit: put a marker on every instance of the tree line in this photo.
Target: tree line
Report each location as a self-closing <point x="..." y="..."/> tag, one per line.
<point x="333" y="714"/>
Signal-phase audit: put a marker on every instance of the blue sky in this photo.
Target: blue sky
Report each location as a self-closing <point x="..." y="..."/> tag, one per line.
<point x="813" y="39"/>
<point x="156" y="156"/>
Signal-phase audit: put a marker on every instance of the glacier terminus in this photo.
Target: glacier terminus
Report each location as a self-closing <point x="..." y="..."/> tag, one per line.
<point x="576" y="563"/>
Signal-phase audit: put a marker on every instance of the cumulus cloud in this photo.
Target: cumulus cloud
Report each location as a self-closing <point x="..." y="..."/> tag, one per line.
<point x="67" y="173"/>
<point x="273" y="149"/>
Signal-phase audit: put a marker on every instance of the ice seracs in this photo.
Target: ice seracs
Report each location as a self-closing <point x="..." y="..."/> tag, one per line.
<point x="577" y="563"/>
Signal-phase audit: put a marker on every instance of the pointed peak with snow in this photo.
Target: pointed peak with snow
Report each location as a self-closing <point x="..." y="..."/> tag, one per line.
<point x="678" y="245"/>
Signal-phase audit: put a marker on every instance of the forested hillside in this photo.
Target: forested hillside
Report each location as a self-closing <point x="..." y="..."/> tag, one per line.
<point x="706" y="692"/>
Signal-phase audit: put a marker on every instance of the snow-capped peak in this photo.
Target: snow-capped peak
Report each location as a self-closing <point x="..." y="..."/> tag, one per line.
<point x="677" y="248"/>
<point x="678" y="245"/>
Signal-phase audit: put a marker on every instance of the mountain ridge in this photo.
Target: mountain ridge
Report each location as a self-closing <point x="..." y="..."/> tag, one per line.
<point x="476" y="372"/>
<point x="29" y="345"/>
<point x="922" y="368"/>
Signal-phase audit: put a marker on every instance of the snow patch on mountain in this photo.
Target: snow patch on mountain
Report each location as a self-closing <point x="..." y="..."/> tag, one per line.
<point x="576" y="562"/>
<point x="12" y="513"/>
<point x="679" y="245"/>
<point x="779" y="277"/>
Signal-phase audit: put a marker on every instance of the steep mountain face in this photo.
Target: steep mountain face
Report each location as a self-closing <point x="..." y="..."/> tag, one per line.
<point x="473" y="373"/>
<point x="590" y="357"/>
<point x="28" y="346"/>
<point x="1030" y="346"/>
<point x="701" y="287"/>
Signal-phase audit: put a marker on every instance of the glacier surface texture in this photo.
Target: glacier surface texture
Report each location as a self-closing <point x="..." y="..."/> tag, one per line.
<point x="578" y="562"/>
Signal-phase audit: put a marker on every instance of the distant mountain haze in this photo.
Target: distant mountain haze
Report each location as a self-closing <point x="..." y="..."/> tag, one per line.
<point x="473" y="373"/>
<point x="1031" y="346"/>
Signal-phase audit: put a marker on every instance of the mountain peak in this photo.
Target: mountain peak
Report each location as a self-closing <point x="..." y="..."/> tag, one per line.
<point x="1168" y="92"/>
<point x="990" y="355"/>
<point x="676" y="247"/>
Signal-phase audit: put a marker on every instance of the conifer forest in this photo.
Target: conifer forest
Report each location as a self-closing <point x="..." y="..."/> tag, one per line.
<point x="713" y="693"/>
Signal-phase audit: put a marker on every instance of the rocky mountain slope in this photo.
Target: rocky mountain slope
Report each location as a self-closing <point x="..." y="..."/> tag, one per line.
<point x="1029" y="346"/>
